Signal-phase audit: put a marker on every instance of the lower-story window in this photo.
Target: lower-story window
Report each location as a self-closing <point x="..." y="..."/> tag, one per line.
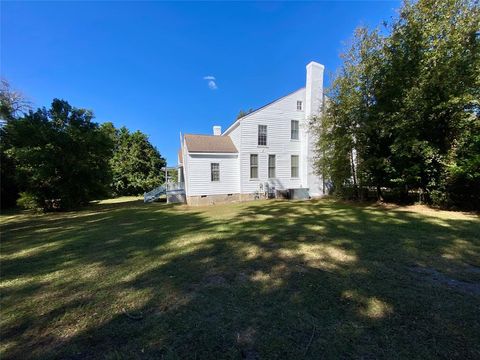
<point x="294" y="166"/>
<point x="253" y="166"/>
<point x="215" y="171"/>
<point x="271" y="166"/>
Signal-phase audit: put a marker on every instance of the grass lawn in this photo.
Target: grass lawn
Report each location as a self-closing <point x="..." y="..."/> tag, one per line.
<point x="257" y="280"/>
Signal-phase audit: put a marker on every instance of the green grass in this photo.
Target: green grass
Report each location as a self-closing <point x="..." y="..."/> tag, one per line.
<point x="266" y="279"/>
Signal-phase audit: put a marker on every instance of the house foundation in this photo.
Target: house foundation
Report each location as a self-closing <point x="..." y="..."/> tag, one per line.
<point x="213" y="199"/>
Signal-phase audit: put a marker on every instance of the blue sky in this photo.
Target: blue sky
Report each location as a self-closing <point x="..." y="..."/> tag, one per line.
<point x="163" y="68"/>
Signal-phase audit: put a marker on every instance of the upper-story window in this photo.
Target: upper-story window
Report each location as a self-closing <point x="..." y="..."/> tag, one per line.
<point x="215" y="171"/>
<point x="294" y="130"/>
<point x="299" y="105"/>
<point x="262" y="134"/>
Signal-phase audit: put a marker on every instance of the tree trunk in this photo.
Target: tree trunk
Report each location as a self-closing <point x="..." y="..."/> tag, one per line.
<point x="379" y="193"/>
<point x="354" y="175"/>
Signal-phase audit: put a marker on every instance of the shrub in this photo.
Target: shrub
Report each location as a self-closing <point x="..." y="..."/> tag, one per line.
<point x="28" y="201"/>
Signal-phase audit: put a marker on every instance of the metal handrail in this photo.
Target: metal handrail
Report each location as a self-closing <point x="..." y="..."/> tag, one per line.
<point x="175" y="186"/>
<point x="163" y="189"/>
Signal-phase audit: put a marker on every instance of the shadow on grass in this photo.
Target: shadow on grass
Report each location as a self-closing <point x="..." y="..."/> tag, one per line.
<point x="256" y="280"/>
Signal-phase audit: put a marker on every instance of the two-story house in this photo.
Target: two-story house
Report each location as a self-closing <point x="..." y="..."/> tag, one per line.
<point x="271" y="147"/>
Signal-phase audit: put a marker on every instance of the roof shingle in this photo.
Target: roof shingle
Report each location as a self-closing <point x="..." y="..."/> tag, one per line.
<point x="209" y="144"/>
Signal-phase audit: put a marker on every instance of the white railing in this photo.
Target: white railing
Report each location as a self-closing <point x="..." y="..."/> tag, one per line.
<point x="154" y="194"/>
<point x="163" y="190"/>
<point x="175" y="186"/>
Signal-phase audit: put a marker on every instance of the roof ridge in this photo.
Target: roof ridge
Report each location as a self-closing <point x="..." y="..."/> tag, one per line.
<point x="204" y="135"/>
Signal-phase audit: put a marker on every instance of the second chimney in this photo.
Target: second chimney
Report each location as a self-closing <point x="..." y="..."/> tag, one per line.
<point x="217" y="130"/>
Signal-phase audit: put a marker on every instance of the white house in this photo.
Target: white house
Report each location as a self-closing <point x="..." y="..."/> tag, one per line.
<point x="271" y="147"/>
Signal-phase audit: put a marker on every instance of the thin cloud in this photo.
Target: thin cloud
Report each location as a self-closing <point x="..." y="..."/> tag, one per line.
<point x="212" y="85"/>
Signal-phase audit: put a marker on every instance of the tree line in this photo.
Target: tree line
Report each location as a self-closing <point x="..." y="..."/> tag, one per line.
<point x="59" y="158"/>
<point x="402" y="116"/>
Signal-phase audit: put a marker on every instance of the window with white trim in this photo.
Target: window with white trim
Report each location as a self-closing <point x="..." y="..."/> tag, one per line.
<point x="271" y="166"/>
<point x="299" y="105"/>
<point x="294" y="166"/>
<point x="215" y="171"/>
<point x="262" y="134"/>
<point x="294" y="130"/>
<point x="253" y="166"/>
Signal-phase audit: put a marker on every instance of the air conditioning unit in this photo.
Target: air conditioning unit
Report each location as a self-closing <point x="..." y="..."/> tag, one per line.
<point x="299" y="194"/>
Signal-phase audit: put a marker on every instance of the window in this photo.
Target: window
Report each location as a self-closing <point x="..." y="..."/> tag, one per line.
<point x="294" y="166"/>
<point x="299" y="105"/>
<point x="294" y="130"/>
<point x="215" y="171"/>
<point x="271" y="166"/>
<point x="253" y="166"/>
<point x="262" y="134"/>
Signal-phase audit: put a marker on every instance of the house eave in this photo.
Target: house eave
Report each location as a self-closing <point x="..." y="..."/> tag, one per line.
<point x="212" y="153"/>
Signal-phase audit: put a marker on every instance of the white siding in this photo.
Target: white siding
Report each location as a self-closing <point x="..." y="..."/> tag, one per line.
<point x="277" y="116"/>
<point x="236" y="135"/>
<point x="198" y="174"/>
<point x="186" y="167"/>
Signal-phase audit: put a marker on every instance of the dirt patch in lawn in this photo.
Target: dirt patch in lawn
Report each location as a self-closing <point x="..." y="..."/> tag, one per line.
<point x="436" y="277"/>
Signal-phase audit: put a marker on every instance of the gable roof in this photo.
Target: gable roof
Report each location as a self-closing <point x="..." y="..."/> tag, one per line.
<point x="210" y="144"/>
<point x="260" y="108"/>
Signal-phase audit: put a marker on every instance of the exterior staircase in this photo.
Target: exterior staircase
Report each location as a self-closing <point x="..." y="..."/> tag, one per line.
<point x="154" y="194"/>
<point x="173" y="189"/>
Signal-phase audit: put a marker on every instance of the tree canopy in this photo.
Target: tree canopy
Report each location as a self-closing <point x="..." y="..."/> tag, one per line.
<point x="12" y="102"/>
<point x="243" y="113"/>
<point x="59" y="158"/>
<point x="403" y="111"/>
<point x="136" y="164"/>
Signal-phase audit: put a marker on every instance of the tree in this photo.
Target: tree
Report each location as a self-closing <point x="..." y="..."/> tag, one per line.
<point x="61" y="156"/>
<point x="243" y="113"/>
<point x="8" y="184"/>
<point x="404" y="109"/>
<point x="347" y="154"/>
<point x="433" y="54"/>
<point x="136" y="164"/>
<point x="12" y="105"/>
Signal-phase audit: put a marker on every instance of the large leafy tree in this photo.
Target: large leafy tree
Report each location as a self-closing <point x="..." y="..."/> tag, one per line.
<point x="13" y="104"/>
<point x="136" y="164"/>
<point x="406" y="105"/>
<point x="431" y="91"/>
<point x="61" y="156"/>
<point x="350" y="121"/>
<point x="8" y="184"/>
